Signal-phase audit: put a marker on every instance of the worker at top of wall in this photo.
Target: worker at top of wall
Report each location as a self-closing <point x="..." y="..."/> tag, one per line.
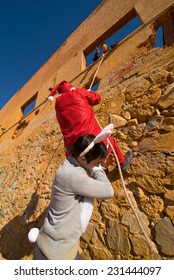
<point x="104" y="49"/>
<point x="76" y="118"/>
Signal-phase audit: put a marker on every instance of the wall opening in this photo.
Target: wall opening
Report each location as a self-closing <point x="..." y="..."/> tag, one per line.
<point x="159" y="38"/>
<point x="118" y="36"/>
<point x="29" y="105"/>
<point x="95" y="84"/>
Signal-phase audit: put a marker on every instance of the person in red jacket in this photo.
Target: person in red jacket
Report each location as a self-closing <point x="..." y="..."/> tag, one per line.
<point x="76" y="117"/>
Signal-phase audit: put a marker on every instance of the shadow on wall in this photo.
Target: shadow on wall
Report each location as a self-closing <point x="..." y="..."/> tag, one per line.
<point x="14" y="243"/>
<point x="21" y="126"/>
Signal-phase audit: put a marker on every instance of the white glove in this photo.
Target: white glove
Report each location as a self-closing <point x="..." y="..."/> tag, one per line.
<point x="51" y="98"/>
<point x="96" y="168"/>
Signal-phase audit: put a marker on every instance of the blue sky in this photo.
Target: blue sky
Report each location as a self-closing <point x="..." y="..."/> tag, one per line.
<point x="32" y="30"/>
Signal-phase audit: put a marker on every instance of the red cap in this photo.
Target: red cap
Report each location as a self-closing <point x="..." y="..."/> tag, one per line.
<point x="61" y="87"/>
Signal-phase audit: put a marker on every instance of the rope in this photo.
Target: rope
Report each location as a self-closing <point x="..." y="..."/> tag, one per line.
<point x="62" y="135"/>
<point x="120" y="43"/>
<point x="95" y="74"/>
<point x="46" y="101"/>
<point x="149" y="242"/>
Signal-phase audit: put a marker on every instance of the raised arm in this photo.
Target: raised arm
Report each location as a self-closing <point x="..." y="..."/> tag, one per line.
<point x="97" y="186"/>
<point x="93" y="97"/>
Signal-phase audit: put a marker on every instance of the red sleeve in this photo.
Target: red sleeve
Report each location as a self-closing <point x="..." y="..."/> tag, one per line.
<point x="92" y="96"/>
<point x="53" y="92"/>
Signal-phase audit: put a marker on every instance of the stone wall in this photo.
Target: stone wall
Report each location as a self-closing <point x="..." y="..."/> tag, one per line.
<point x="138" y="98"/>
<point x="137" y="89"/>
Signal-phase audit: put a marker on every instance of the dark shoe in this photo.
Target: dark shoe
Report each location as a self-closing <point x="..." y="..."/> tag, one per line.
<point x="128" y="159"/>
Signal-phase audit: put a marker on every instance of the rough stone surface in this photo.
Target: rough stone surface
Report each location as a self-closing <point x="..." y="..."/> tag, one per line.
<point x="165" y="228"/>
<point x="28" y="164"/>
